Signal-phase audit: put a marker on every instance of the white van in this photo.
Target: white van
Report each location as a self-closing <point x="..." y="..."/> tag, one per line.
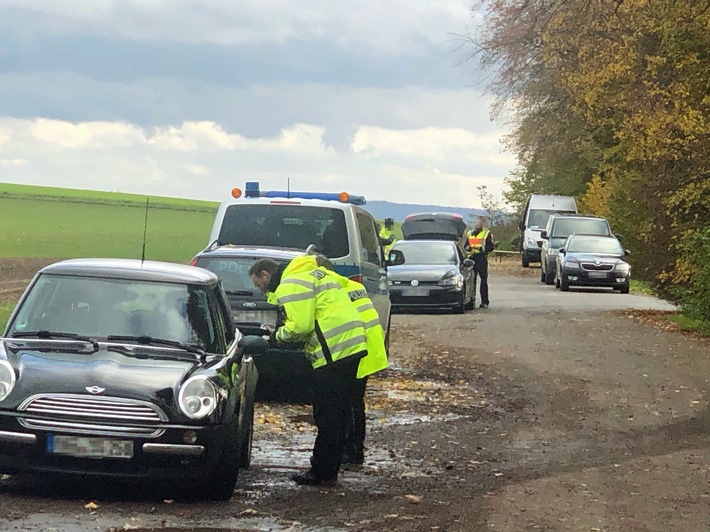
<point x="537" y="211"/>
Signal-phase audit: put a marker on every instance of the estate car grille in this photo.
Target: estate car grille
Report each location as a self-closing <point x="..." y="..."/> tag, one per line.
<point x="92" y="415"/>
<point x="590" y="266"/>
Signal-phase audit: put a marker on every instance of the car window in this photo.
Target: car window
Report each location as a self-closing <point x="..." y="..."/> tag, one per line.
<point x="286" y="226"/>
<point x="427" y="253"/>
<point x="369" y="240"/>
<point x="232" y="271"/>
<point x="564" y="227"/>
<point x="539" y="217"/>
<point x="595" y="245"/>
<point x="103" y="307"/>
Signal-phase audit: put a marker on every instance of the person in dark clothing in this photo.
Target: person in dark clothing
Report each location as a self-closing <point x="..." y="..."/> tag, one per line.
<point x="480" y="244"/>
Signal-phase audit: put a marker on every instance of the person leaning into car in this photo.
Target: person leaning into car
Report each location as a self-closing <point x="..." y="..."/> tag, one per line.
<point x="376" y="360"/>
<point x="480" y="244"/>
<point x="320" y="314"/>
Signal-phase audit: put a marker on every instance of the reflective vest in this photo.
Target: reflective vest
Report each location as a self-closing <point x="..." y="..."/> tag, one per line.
<point x="477" y="243"/>
<point x="376" y="358"/>
<point x="384" y="235"/>
<point x="318" y="313"/>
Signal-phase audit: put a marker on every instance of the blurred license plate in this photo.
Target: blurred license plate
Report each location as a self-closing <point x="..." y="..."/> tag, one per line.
<point x="416" y="292"/>
<point x="598" y="275"/>
<point x="89" y="447"/>
<point x="260" y="317"/>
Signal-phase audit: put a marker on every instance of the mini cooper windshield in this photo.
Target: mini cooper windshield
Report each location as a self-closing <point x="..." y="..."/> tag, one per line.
<point x="105" y="308"/>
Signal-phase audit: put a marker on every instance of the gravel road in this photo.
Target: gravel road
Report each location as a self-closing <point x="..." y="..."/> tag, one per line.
<point x="547" y="411"/>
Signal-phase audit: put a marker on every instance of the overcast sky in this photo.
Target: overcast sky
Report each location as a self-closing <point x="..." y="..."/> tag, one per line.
<point x="190" y="98"/>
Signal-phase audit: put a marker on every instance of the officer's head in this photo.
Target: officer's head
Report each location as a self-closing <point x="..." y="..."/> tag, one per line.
<point x="480" y="222"/>
<point x="389" y="223"/>
<point x="323" y="262"/>
<point x="261" y="273"/>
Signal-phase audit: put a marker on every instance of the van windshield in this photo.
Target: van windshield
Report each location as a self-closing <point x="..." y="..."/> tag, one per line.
<point x="286" y="226"/>
<point x="538" y="217"/>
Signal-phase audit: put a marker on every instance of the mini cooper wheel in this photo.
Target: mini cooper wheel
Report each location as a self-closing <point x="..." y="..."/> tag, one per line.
<point x="220" y="486"/>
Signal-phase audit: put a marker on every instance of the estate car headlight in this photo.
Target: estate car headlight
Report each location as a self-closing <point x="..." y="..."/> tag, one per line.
<point x="572" y="265"/>
<point x="198" y="397"/>
<point x="7" y="379"/>
<point x="452" y="278"/>
<point x="622" y="267"/>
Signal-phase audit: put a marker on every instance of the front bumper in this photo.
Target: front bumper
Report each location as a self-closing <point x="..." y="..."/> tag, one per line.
<point x="583" y="278"/>
<point x="168" y="456"/>
<point x="414" y="297"/>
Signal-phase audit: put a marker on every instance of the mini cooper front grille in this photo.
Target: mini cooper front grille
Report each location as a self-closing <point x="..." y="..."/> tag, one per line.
<point x="84" y="414"/>
<point x="589" y="266"/>
<point x="84" y="407"/>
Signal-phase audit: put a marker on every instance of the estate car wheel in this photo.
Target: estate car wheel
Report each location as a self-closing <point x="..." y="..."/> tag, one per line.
<point x="460" y="307"/>
<point x="624" y="289"/>
<point x="471" y="302"/>
<point x="564" y="283"/>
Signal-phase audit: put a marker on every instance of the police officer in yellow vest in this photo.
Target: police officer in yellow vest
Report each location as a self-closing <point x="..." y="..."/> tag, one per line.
<point x="376" y="360"/>
<point x="480" y="244"/>
<point x="319" y="314"/>
<point x="387" y="238"/>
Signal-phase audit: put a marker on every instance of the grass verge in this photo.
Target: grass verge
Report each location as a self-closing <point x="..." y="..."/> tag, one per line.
<point x="5" y="310"/>
<point x="690" y="324"/>
<point x="642" y="288"/>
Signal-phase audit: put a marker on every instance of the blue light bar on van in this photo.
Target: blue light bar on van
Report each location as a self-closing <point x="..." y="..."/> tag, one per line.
<point x="251" y="190"/>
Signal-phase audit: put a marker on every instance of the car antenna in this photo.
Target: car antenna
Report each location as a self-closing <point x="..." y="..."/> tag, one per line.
<point x="288" y="188"/>
<point x="145" y="229"/>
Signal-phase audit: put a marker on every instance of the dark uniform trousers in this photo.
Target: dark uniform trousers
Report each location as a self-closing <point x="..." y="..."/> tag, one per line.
<point x="332" y="407"/>
<point x="480" y="267"/>
<point x="356" y="427"/>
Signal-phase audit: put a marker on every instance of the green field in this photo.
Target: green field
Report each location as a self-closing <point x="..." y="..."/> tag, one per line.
<point x="65" y="223"/>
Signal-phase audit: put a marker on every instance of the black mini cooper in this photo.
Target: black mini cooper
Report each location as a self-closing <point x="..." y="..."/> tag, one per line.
<point x="127" y="369"/>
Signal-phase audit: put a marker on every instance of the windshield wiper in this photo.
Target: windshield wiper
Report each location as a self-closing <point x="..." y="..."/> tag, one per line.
<point x="49" y="335"/>
<point x="239" y="292"/>
<point x="149" y="340"/>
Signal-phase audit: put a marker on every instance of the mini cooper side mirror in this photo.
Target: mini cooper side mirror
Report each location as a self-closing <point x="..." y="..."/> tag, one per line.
<point x="253" y="345"/>
<point x="396" y="258"/>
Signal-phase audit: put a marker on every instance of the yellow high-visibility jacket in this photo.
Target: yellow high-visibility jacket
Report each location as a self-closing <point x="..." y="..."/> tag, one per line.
<point x="376" y="359"/>
<point x="318" y="313"/>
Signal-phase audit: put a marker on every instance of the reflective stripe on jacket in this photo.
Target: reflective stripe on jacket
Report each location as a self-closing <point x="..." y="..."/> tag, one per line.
<point x="376" y="359"/>
<point x="477" y="242"/>
<point x="318" y="313"/>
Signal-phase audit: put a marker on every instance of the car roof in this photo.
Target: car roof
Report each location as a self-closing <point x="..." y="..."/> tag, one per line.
<point x="573" y="235"/>
<point x="423" y="241"/>
<point x="572" y="215"/>
<point x="132" y="269"/>
<point x="251" y="251"/>
<point x="276" y="202"/>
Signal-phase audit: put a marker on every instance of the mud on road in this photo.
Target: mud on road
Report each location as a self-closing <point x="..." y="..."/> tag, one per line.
<point x="518" y="417"/>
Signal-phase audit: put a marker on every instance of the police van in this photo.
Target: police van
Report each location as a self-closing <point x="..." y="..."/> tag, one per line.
<point x="337" y="226"/>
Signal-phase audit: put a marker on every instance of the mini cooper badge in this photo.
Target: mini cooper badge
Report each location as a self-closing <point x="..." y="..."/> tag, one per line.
<point x="95" y="390"/>
<point x="415" y="283"/>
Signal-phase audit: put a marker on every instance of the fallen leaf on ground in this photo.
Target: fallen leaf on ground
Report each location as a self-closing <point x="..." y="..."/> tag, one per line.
<point x="414" y="499"/>
<point x="91" y="506"/>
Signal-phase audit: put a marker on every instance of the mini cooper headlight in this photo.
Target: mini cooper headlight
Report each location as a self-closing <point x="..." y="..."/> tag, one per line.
<point x="7" y="379"/>
<point x="198" y="397"/>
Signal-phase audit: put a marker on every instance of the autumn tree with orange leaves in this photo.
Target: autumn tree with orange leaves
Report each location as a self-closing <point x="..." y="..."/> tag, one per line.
<point x="611" y="103"/>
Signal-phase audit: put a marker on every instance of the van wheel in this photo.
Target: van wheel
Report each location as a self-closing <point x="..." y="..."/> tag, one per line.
<point x="526" y="262"/>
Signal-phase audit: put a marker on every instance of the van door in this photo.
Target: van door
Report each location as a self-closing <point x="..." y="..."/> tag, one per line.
<point x="374" y="274"/>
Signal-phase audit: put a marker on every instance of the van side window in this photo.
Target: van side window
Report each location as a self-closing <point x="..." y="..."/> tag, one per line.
<point x="369" y="239"/>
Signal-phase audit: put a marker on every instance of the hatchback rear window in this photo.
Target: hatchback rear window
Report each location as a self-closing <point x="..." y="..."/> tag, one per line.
<point x="286" y="226"/>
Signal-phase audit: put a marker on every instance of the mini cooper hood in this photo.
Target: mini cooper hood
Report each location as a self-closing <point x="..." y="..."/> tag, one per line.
<point x="119" y="375"/>
<point x="426" y="272"/>
<point x="433" y="228"/>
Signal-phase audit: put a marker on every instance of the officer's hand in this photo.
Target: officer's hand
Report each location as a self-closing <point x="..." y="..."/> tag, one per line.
<point x="269" y="328"/>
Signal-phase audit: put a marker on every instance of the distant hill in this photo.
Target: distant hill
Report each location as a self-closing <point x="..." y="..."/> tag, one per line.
<point x="398" y="211"/>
